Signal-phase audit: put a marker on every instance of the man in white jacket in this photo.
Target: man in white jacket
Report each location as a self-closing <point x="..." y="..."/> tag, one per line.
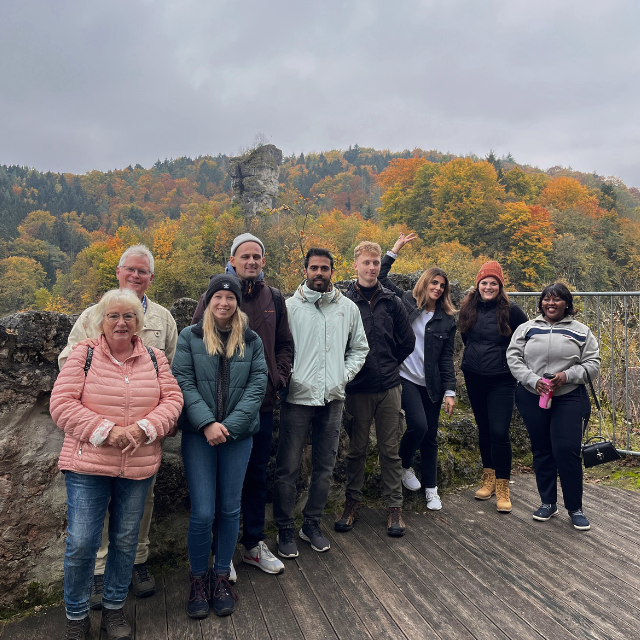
<point x="135" y="272"/>
<point x="330" y="347"/>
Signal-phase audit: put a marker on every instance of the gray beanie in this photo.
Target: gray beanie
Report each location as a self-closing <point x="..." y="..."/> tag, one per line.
<point x="241" y="239"/>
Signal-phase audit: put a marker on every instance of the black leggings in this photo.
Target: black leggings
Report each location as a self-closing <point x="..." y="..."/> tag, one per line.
<point x="491" y="399"/>
<point x="556" y="436"/>
<point x="422" y="431"/>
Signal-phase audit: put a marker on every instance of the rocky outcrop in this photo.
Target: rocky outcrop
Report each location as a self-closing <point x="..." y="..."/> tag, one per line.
<point x="254" y="179"/>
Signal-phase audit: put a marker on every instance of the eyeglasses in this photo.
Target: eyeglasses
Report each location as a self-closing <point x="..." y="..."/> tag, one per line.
<point x="143" y="273"/>
<point x="127" y="317"/>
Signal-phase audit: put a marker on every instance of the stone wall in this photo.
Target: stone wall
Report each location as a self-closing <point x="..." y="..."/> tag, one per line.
<point x="32" y="493"/>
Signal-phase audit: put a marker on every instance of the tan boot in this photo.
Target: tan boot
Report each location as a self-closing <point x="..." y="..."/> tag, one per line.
<point x="503" y="503"/>
<point x="488" y="487"/>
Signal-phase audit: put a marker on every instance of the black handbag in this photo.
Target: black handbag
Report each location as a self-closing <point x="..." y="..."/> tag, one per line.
<point x="597" y="450"/>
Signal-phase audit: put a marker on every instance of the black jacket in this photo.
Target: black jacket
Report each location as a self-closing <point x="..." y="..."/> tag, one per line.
<point x="439" y="338"/>
<point x="390" y="339"/>
<point x="485" y="350"/>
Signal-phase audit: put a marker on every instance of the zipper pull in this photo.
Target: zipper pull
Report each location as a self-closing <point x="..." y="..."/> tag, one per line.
<point x="126" y="378"/>
<point x="80" y="451"/>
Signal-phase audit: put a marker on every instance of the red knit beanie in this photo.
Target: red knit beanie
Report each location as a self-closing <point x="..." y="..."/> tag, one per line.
<point x="490" y="269"/>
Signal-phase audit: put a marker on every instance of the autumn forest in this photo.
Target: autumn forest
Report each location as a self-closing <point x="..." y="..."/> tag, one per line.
<point x="61" y="234"/>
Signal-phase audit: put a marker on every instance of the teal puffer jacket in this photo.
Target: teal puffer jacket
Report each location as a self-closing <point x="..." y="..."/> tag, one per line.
<point x="197" y="373"/>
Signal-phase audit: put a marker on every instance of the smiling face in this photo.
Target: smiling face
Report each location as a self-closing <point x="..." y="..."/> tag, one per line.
<point x="367" y="266"/>
<point x="223" y="305"/>
<point x="135" y="274"/>
<point x="489" y="289"/>
<point x="436" y="288"/>
<point x="553" y="308"/>
<point x="318" y="273"/>
<point x="248" y="261"/>
<point x="119" y="325"/>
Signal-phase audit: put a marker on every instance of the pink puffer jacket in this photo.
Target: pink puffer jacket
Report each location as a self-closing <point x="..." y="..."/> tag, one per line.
<point x="86" y="409"/>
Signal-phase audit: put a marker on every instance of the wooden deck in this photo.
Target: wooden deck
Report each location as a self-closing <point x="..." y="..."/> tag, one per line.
<point x="466" y="572"/>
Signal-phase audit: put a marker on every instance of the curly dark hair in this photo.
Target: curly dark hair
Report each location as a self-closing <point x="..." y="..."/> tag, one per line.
<point x="561" y="291"/>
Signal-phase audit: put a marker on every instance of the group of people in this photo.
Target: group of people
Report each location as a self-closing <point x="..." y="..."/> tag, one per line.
<point x="367" y="356"/>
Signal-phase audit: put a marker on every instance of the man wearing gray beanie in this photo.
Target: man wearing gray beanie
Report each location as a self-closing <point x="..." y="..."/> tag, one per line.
<point x="267" y="314"/>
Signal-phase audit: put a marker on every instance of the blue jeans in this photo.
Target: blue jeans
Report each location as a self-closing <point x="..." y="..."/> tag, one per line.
<point x="88" y="497"/>
<point x="295" y="422"/>
<point x="214" y="474"/>
<point x="254" y="491"/>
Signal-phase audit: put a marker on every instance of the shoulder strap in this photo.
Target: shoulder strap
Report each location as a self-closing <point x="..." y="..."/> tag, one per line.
<point x="87" y="363"/>
<point x="593" y="391"/>
<point x="152" y="355"/>
<point x="277" y="302"/>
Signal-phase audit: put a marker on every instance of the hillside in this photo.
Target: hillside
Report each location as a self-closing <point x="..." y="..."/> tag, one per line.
<point x="61" y="234"/>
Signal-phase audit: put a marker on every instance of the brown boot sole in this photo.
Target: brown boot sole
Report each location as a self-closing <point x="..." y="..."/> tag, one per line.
<point x="505" y="510"/>
<point x="484" y="498"/>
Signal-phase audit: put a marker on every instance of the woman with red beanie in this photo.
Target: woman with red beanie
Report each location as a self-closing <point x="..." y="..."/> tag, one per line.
<point x="486" y="322"/>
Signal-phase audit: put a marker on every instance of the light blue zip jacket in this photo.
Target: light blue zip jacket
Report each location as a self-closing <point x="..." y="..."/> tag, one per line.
<point x="330" y="345"/>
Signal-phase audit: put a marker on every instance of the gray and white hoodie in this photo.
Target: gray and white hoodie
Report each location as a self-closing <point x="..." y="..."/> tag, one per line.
<point x="537" y="346"/>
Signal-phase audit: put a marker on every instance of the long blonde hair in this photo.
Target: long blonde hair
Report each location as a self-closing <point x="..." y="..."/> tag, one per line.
<point x="211" y="336"/>
<point x="421" y="294"/>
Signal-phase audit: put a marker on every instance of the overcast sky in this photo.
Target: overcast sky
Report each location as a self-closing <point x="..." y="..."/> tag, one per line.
<point x="87" y="85"/>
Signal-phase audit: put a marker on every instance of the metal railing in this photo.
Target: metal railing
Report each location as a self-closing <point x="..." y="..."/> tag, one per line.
<point x="614" y="318"/>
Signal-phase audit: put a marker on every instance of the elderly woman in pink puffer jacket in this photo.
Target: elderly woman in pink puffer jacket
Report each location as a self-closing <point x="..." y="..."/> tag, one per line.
<point x="115" y="400"/>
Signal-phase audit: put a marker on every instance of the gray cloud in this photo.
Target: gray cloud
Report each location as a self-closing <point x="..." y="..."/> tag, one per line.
<point x="97" y="86"/>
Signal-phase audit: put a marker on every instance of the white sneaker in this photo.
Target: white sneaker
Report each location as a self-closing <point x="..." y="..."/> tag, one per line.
<point x="233" y="576"/>
<point x="261" y="557"/>
<point x="409" y="479"/>
<point x="433" y="499"/>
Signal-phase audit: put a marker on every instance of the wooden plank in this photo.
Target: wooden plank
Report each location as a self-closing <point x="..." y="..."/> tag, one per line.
<point x="560" y="591"/>
<point x="371" y="531"/>
<point x="151" y="614"/>
<point x="248" y="620"/>
<point x="278" y="616"/>
<point x="309" y="613"/>
<point x="480" y="582"/>
<point x="411" y="623"/>
<point x="608" y="534"/>
<point x="601" y="510"/>
<point x="218" y="628"/>
<point x="344" y="620"/>
<point x="375" y="617"/>
<point x="179" y="625"/>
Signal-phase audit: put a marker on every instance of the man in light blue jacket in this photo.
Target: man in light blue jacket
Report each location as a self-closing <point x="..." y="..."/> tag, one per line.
<point x="330" y="347"/>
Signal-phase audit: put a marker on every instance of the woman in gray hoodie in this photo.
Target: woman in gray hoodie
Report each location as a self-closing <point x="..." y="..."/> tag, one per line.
<point x="555" y="353"/>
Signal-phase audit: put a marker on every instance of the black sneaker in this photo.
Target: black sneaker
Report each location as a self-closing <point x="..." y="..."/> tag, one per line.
<point x="545" y="512"/>
<point x="143" y="583"/>
<point x="77" y="629"/>
<point x="223" y="597"/>
<point x="350" y="514"/>
<point x="579" y="520"/>
<point x="199" y="596"/>
<point x="311" y="533"/>
<point x="95" y="601"/>
<point x="115" y="624"/>
<point x="287" y="543"/>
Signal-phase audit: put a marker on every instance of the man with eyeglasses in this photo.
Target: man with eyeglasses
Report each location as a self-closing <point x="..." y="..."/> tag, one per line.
<point x="135" y="272"/>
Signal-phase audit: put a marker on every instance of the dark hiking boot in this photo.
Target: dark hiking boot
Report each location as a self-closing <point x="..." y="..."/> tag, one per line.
<point x="142" y="582"/>
<point x="115" y="624"/>
<point x="349" y="515"/>
<point x="77" y="629"/>
<point x="199" y="595"/>
<point x="95" y="601"/>
<point x="395" y="524"/>
<point x="223" y="597"/>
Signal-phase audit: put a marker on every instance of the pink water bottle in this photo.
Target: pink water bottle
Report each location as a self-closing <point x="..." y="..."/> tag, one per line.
<point x="545" y="398"/>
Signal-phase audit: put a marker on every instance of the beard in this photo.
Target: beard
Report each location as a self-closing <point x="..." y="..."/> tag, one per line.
<point x="319" y="284"/>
